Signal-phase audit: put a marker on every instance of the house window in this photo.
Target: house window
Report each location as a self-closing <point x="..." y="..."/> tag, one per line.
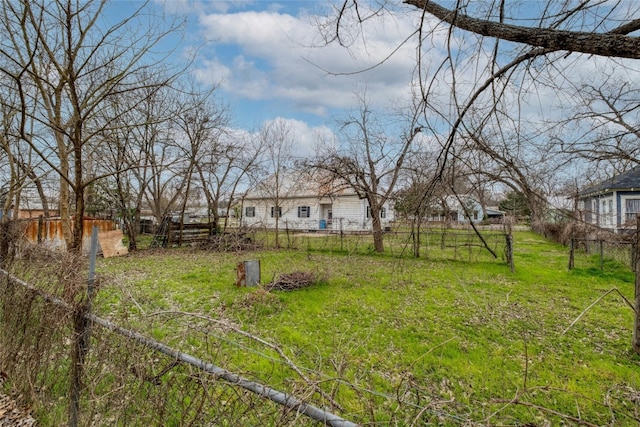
<point x="632" y="209"/>
<point x="304" y="211"/>
<point x="611" y="216"/>
<point x="588" y="211"/>
<point x="250" y="211"/>
<point x="475" y="215"/>
<point x="276" y="211"/>
<point x="383" y="212"/>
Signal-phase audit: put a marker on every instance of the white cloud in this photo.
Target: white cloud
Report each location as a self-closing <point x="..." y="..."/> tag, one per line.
<point x="305" y="136"/>
<point x="274" y="58"/>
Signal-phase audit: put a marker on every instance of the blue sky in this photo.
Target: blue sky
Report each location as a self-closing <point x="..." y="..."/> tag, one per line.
<point x="269" y="60"/>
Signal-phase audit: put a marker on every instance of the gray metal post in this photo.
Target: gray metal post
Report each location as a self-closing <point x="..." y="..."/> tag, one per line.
<point x="92" y="262"/>
<point x="572" y="246"/>
<point x="82" y="329"/>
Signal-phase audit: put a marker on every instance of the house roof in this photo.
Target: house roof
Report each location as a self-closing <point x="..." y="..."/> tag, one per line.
<point x="495" y="212"/>
<point x="629" y="180"/>
<point x="297" y="183"/>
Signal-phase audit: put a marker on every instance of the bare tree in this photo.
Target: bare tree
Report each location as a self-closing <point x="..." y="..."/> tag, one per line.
<point x="368" y="159"/>
<point x="9" y="161"/>
<point x="506" y="155"/>
<point x="605" y="128"/>
<point x="273" y="178"/>
<point x="199" y="124"/>
<point x="21" y="171"/>
<point x="68" y="65"/>
<point x="500" y="58"/>
<point x="416" y="197"/>
<point x="224" y="166"/>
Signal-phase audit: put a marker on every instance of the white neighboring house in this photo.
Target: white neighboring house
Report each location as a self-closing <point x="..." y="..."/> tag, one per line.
<point x="612" y="204"/>
<point x="451" y="209"/>
<point x="309" y="203"/>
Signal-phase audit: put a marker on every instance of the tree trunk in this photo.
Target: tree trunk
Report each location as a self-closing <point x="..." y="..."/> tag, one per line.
<point x="131" y="223"/>
<point x="415" y="236"/>
<point x="376" y="226"/>
<point x="41" y="194"/>
<point x="78" y="223"/>
<point x="79" y="189"/>
<point x="65" y="215"/>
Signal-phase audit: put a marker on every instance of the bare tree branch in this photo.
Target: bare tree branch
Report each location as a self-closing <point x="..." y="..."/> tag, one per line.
<point x="612" y="44"/>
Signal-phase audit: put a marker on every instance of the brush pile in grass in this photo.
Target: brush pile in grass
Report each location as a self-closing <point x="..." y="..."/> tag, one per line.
<point x="292" y="281"/>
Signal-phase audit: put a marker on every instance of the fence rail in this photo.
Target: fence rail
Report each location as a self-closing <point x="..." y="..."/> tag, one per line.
<point x="297" y="405"/>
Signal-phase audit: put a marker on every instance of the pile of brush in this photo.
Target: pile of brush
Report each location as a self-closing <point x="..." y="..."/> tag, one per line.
<point x="292" y="281"/>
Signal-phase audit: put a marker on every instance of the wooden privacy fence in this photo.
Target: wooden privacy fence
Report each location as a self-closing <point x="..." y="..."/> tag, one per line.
<point x="48" y="231"/>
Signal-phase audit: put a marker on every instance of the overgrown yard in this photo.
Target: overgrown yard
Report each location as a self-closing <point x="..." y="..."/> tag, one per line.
<point x="379" y="338"/>
<point x="453" y="338"/>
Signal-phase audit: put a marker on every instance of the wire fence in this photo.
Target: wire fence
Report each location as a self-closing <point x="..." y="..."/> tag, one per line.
<point x="82" y="370"/>
<point x="163" y="369"/>
<point x="605" y="255"/>
<point x="132" y="379"/>
<point x="431" y="243"/>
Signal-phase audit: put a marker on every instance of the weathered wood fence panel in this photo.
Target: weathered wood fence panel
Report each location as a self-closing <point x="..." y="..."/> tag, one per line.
<point x="48" y="231"/>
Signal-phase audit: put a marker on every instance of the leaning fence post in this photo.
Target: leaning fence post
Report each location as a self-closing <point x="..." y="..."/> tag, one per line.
<point x="82" y="335"/>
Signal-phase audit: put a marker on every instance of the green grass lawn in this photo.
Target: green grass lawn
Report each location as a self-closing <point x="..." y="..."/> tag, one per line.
<point x="396" y="339"/>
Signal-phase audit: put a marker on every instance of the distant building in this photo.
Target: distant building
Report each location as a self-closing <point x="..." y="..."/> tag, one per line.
<point x="309" y="201"/>
<point x="462" y="209"/>
<point x="612" y="204"/>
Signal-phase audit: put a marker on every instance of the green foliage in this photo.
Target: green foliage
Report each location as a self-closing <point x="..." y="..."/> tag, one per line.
<point x="515" y="203"/>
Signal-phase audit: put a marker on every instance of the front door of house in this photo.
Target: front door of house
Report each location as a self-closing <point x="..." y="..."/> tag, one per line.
<point x="326" y="214"/>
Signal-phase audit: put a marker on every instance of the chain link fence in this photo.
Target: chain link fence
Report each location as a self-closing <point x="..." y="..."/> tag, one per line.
<point x="162" y="369"/>
<point x="602" y="254"/>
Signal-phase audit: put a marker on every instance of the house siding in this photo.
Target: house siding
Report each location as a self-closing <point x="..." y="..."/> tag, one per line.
<point x="616" y="193"/>
<point x="609" y="210"/>
<point x="340" y="213"/>
<point x="455" y="212"/>
<point x="627" y="220"/>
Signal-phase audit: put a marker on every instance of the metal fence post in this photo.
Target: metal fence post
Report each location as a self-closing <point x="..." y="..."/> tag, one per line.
<point x="82" y="335"/>
<point x="572" y="246"/>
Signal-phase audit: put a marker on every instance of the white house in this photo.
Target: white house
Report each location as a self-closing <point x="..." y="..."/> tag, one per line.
<point x="308" y="202"/>
<point x="451" y="209"/>
<point x="612" y="204"/>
